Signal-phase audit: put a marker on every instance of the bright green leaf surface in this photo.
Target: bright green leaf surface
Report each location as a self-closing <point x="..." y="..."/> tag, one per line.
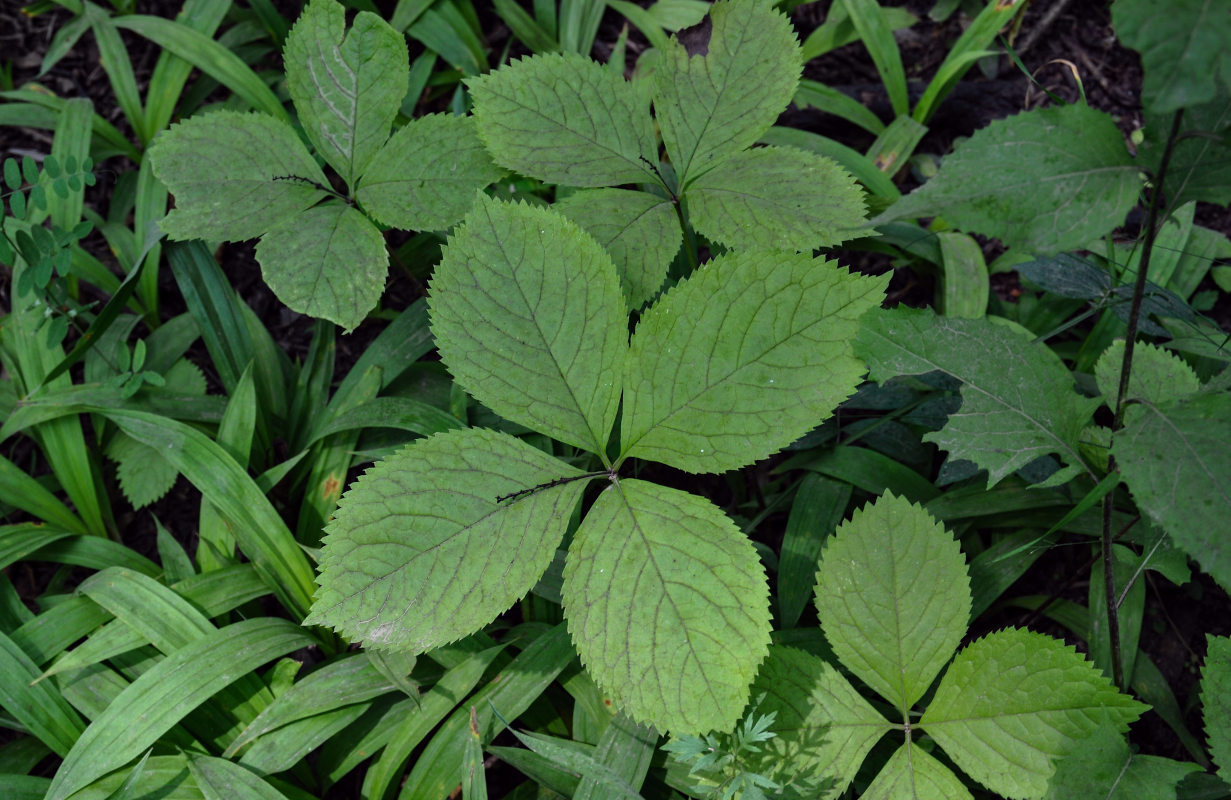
<point x="1157" y="376"/>
<point x="37" y="707"/>
<point x="330" y="262"/>
<point x="1175" y="458"/>
<point x="912" y="774"/>
<point x="1018" y="400"/>
<point x="346" y="86"/>
<point x="745" y="356"/>
<point x="234" y="176"/>
<point x="1103" y="767"/>
<point x="713" y="105"/>
<point x="220" y="779"/>
<point x="565" y="119"/>
<point x="1013" y="701"/>
<point x="144" y="475"/>
<point x="421" y="552"/>
<point x="893" y="598"/>
<point x="668" y="606"/>
<point x="426" y="175"/>
<point x="527" y="313"/>
<point x="1183" y="46"/>
<point x="776" y="198"/>
<point x="1216" y="702"/>
<point x="1043" y="181"/>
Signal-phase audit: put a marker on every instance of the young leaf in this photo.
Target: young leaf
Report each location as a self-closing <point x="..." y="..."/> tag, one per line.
<point x="422" y="551"/>
<point x="1104" y="767"/>
<point x="1013" y="701"/>
<point x="528" y="316"/>
<point x="234" y="176"/>
<point x="1216" y="701"/>
<point x="1183" y="49"/>
<point x="893" y="598"/>
<point x="667" y="605"/>
<point x="911" y="773"/>
<point x="712" y="105"/>
<point x="346" y="86"/>
<point x="1157" y="376"/>
<point x="145" y="476"/>
<point x="565" y="119"/>
<point x="766" y="334"/>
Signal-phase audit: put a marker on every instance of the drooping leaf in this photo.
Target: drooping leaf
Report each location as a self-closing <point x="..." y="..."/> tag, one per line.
<point x="220" y="779"/>
<point x="565" y="119"/>
<point x="330" y="262"/>
<point x="1072" y="181"/>
<point x="777" y="198"/>
<point x="1183" y="47"/>
<point x="234" y="176"/>
<point x="893" y="597"/>
<point x="422" y="551"/>
<point x="1018" y="400"/>
<point x="1013" y="701"/>
<point x="716" y="102"/>
<point x="1156" y="375"/>
<point x="1216" y="702"/>
<point x="741" y="359"/>
<point x="667" y="604"/>
<point x="1102" y="766"/>
<point x="425" y="177"/>
<point x="527" y="313"/>
<point x="912" y="774"/>
<point x="346" y="85"/>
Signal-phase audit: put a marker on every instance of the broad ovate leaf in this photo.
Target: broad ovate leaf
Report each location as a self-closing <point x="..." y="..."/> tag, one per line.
<point x="528" y="315"/>
<point x="1157" y="376"/>
<point x="1183" y="47"/>
<point x="234" y="176"/>
<point x="425" y="177"/>
<point x="713" y="103"/>
<point x="329" y="262"/>
<point x="749" y="353"/>
<point x="1014" y="701"/>
<point x="346" y="85"/>
<point x="912" y="774"/>
<point x="777" y="198"/>
<point x="893" y="598"/>
<point x="428" y="546"/>
<point x="1104" y="767"/>
<point x="1018" y="400"/>
<point x="1216" y="702"/>
<point x="668" y="606"/>
<point x="566" y="119"/>
<point x="1043" y="181"/>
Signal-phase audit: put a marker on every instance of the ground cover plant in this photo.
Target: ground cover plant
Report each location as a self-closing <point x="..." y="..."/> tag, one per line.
<point x="659" y="489"/>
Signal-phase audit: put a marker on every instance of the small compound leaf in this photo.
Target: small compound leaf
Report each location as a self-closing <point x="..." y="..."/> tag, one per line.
<point x="565" y="119"/>
<point x="668" y="606"/>
<point x="912" y="774"/>
<point x="1018" y="400"/>
<point x="1102" y="766"/>
<point x="1216" y="702"/>
<point x="527" y="313"/>
<point x="330" y="262"/>
<point x="777" y="198"/>
<point x="1157" y="376"/>
<point x="426" y="175"/>
<point x="421" y="551"/>
<point x="1073" y="181"/>
<point x="145" y="476"/>
<point x="713" y="105"/>
<point x="749" y="353"/>
<point x="346" y="86"/>
<point x="893" y="597"/>
<point x="640" y="230"/>
<point x="1013" y="701"/>
<point x="1183" y="47"/>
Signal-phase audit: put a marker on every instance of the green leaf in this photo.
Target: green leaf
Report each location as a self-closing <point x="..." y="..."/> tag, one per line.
<point x="911" y="774"/>
<point x="767" y="334"/>
<point x="423" y="551"/>
<point x="220" y="779"/>
<point x="1216" y="702"/>
<point x="777" y="198"/>
<point x="1175" y="458"/>
<point x="713" y="105"/>
<point x="1156" y="376"/>
<point x="640" y="230"/>
<point x="966" y="284"/>
<point x="1072" y="181"/>
<point x="527" y="313"/>
<point x="234" y="176"/>
<point x="1013" y="701"/>
<point x="893" y="598"/>
<point x="425" y="177"/>
<point x="145" y="476"/>
<point x="1018" y="401"/>
<point x="36" y="706"/>
<point x="1183" y="47"/>
<point x="565" y="119"/>
<point x="329" y="262"/>
<point x="346" y="86"/>
<point x="1200" y="165"/>
<point x="667" y="605"/>
<point x="1104" y="767"/>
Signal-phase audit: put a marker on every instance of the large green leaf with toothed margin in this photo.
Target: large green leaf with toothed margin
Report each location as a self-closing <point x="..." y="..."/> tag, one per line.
<point x="427" y="546"/>
<point x="566" y="119"/>
<point x="346" y="85"/>
<point x="1216" y="702"/>
<point x="1104" y="767"/>
<point x="527" y="312"/>
<point x="1015" y="700"/>
<point x="715" y="103"/>
<point x="234" y="176"/>
<point x="1183" y="47"/>
<point x="1157" y="375"/>
<point x="1018" y="399"/>
<point x="668" y="606"/>
<point x="912" y="774"/>
<point x="893" y="598"/>
<point x="749" y="353"/>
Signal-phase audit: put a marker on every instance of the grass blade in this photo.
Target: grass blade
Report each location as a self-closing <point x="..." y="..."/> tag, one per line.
<point x="39" y="707"/>
<point x="171" y="72"/>
<point x="114" y="58"/>
<point x="19" y="490"/>
<point x="877" y="36"/>
<point x="219" y="779"/>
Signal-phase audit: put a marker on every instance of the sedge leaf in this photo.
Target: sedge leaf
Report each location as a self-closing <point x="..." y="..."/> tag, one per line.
<point x="220" y="779"/>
